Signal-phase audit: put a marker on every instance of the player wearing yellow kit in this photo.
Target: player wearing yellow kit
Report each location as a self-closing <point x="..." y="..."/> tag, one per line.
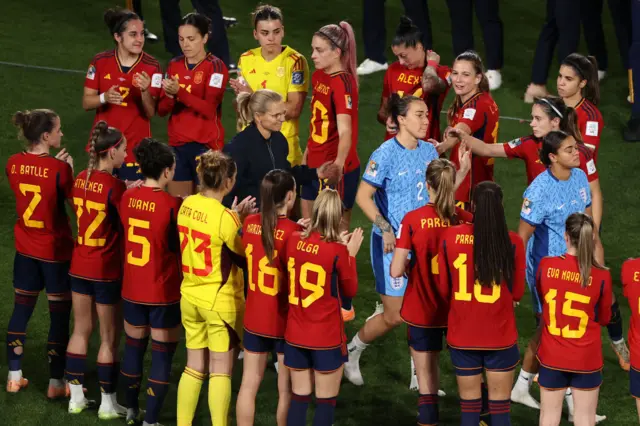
<point x="212" y="302"/>
<point x="278" y="68"/>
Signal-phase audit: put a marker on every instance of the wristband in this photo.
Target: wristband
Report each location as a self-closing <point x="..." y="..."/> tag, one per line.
<point x="102" y="99"/>
<point x="432" y="63"/>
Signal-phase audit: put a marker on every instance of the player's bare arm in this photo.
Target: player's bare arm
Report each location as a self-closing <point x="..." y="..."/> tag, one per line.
<point x="344" y="135"/>
<point x="294" y="104"/>
<point x="478" y="146"/>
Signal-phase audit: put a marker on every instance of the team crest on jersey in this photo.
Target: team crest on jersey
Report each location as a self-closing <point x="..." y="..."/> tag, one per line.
<point x="583" y="194"/>
<point x="280" y="72"/>
<point x="347" y="100"/>
<point x="297" y="78"/>
<point x="526" y="206"/>
<point x="397" y="283"/>
<point x="197" y="79"/>
<point x="514" y="143"/>
<point x="91" y="73"/>
<point x="372" y="168"/>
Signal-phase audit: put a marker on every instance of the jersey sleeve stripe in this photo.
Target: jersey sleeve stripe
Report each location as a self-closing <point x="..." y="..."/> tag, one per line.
<point x="346" y="82"/>
<point x="235" y="218"/>
<point x="590" y="110"/>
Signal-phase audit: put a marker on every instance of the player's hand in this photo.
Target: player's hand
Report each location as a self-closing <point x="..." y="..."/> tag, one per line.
<point x="392" y="129"/>
<point x="453" y="132"/>
<point x="65" y="156"/>
<point x="430" y="80"/>
<point x="142" y="81"/>
<point x="171" y="86"/>
<point x="355" y="241"/>
<point x="239" y="85"/>
<point x="436" y="144"/>
<point x="304" y="222"/>
<point x="133" y="183"/>
<point x="433" y="56"/>
<point x="389" y="240"/>
<point x="113" y="96"/>
<point x="330" y="172"/>
<point x="464" y="158"/>
<point x="245" y="207"/>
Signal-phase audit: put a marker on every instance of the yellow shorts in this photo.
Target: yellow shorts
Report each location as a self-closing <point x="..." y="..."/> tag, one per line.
<point x="217" y="331"/>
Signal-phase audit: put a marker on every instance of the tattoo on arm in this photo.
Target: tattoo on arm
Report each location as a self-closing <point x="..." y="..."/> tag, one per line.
<point x="381" y="223"/>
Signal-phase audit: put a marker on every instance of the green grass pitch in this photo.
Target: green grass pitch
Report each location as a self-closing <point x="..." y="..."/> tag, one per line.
<point x="66" y="34"/>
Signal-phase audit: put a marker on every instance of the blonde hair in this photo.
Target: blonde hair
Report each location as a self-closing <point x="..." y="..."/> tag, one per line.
<point x="579" y="229"/>
<point x="326" y="216"/>
<point x="214" y="168"/>
<point x="250" y="104"/>
<point x="441" y="176"/>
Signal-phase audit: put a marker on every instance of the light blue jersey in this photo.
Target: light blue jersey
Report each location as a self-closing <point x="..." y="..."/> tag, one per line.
<point x="548" y="202"/>
<point x="399" y="174"/>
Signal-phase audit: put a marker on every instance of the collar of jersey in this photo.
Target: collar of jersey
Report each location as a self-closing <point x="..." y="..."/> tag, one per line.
<point x="472" y="98"/>
<point x="186" y="64"/>
<point x="115" y="53"/>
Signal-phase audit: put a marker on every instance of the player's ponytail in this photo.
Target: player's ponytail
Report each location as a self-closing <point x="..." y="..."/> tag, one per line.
<point x="273" y="196"/>
<point x="399" y="107"/>
<point x="475" y="60"/>
<point x="407" y="34"/>
<point x="586" y="68"/>
<point x="493" y="253"/>
<point x="326" y="216"/>
<point x="550" y="145"/>
<point x="579" y="229"/>
<point x="214" y="169"/>
<point x="103" y="138"/>
<point x="154" y="158"/>
<point x="554" y="107"/>
<point x="441" y="176"/>
<point x="118" y="18"/>
<point x="250" y="104"/>
<point x="33" y="124"/>
<point x="342" y="37"/>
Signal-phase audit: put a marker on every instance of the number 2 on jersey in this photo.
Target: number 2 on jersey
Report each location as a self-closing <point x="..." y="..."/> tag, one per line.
<point x="95" y="223"/>
<point x="319" y="135"/>
<point x="124" y="91"/>
<point x="316" y="289"/>
<point x="26" y="216"/>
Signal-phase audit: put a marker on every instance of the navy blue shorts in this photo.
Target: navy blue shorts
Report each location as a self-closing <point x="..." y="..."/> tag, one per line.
<point x="187" y="160"/>
<point x="34" y="275"/>
<point x="104" y="292"/>
<point x="472" y="362"/>
<point x="347" y="187"/>
<point x="322" y="360"/>
<point x="423" y="339"/>
<point x="634" y="382"/>
<point x="154" y="316"/>
<point x="261" y="344"/>
<point x="128" y="171"/>
<point x="551" y="379"/>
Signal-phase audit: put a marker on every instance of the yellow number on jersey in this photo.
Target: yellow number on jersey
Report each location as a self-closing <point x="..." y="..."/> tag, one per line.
<point x="138" y="239"/>
<point x="97" y="221"/>
<point x="264" y="269"/>
<point x="463" y="293"/>
<point x="435" y="269"/>
<point x="124" y="91"/>
<point x="187" y="88"/>
<point x="322" y="134"/>
<point x="316" y="289"/>
<point x="494" y="134"/>
<point x="26" y="216"/>
<point x="569" y="311"/>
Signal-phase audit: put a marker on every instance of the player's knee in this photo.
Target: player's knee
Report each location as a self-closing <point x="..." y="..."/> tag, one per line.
<point x="392" y="318"/>
<point x="59" y="297"/>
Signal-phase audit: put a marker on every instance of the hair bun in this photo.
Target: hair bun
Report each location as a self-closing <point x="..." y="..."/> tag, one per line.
<point x="406" y="25"/>
<point x="21" y="118"/>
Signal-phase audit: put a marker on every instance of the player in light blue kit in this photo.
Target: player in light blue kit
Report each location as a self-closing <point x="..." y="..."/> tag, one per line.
<point x="550" y="199"/>
<point x="393" y="184"/>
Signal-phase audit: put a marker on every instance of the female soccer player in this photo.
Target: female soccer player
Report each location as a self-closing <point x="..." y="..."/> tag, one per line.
<point x="43" y="242"/>
<point x="424" y="312"/>
<point x="417" y="72"/>
<point x="550" y="199"/>
<point x="322" y="268"/>
<point x="212" y="289"/>
<point x="473" y="112"/>
<point x="96" y="270"/>
<point x="333" y="135"/>
<point x="192" y="93"/>
<point x="122" y="85"/>
<point x="151" y="281"/>
<point x="392" y="186"/>
<point x="631" y="287"/>
<point x="576" y="293"/>
<point x="265" y="235"/>
<point x="276" y="67"/>
<point x="482" y="269"/>
<point x="579" y="88"/>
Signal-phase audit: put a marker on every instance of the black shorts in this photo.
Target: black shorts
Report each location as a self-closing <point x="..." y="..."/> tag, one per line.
<point x="321" y="360"/>
<point x="423" y="339"/>
<point x="128" y="171"/>
<point x="347" y="187"/>
<point x="551" y="379"/>
<point x="260" y="344"/>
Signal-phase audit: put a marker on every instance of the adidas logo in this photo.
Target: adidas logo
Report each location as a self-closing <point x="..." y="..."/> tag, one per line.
<point x="150" y="392"/>
<point x="15" y="343"/>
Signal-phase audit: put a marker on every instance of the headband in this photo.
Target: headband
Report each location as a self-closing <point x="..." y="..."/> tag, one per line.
<point x="328" y="37"/>
<point x="546" y="101"/>
<point x="115" y="145"/>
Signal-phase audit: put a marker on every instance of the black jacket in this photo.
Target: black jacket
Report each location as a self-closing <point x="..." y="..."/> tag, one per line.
<point x="256" y="156"/>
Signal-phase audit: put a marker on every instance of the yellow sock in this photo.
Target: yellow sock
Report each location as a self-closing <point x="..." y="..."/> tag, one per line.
<point x="219" y="398"/>
<point x="188" y="395"/>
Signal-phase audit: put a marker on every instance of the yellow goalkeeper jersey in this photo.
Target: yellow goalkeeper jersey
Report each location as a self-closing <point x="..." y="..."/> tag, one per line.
<point x="211" y="249"/>
<point x="288" y="72"/>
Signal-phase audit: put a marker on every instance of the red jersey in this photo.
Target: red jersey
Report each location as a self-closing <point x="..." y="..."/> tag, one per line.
<point x="572" y="315"/>
<point x="631" y="290"/>
<point x="590" y="123"/>
<point x="41" y="184"/>
<point x="267" y="304"/>
<point x="528" y="149"/>
<point x="97" y="254"/>
<point x="479" y="318"/>
<point x="129" y="117"/>
<point x="320" y="273"/>
<point x="196" y="111"/>
<point x="152" y="272"/>
<point x="333" y="94"/>
<point x="404" y="81"/>
<point x="420" y="230"/>
<point x="481" y="114"/>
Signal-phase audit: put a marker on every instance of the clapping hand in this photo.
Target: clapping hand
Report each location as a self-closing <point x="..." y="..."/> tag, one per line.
<point x="245" y="207"/>
<point x="65" y="156"/>
<point x="171" y="86"/>
<point x="239" y="85"/>
<point x="142" y="81"/>
<point x="113" y="96"/>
